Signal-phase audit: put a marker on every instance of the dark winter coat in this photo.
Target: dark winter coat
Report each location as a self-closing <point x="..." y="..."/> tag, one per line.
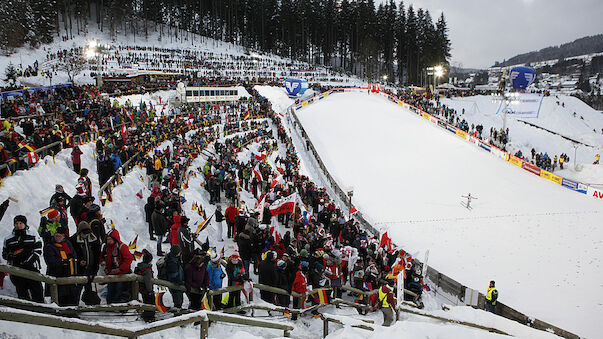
<point x="283" y="281"/>
<point x="22" y="249"/>
<point x="173" y="267"/>
<point x="87" y="248"/>
<point x="160" y="223"/>
<point x="146" y="270"/>
<point x="187" y="243"/>
<point x="56" y="265"/>
<point x="245" y="246"/>
<point x="196" y="276"/>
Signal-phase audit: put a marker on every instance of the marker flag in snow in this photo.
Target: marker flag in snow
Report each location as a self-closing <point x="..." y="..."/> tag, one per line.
<point x="112" y="225"/>
<point x="159" y="302"/>
<point x="321" y="297"/>
<point x="284" y="205"/>
<point x="222" y="253"/>
<point x="256" y="171"/>
<point x="139" y="194"/>
<point x="353" y="210"/>
<point x="386" y="240"/>
<point x="194" y="206"/>
<point x="203" y="225"/>
<point x="32" y="157"/>
<point x="205" y="303"/>
<point x="133" y="245"/>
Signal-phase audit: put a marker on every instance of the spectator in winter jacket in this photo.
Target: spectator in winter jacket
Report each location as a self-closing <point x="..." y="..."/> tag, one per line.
<point x="185" y="240"/>
<point x="231" y="215"/>
<point x="300" y="285"/>
<point x="96" y="221"/>
<point x="87" y="248"/>
<point x="160" y="223"/>
<point x="117" y="259"/>
<point x="219" y="220"/>
<point x="197" y="278"/>
<point x="116" y="160"/>
<point x="87" y="183"/>
<point x="174" y="229"/>
<point x="387" y="302"/>
<point x="175" y="273"/>
<point x="283" y="282"/>
<point x="236" y="276"/>
<point x="145" y="269"/>
<point x="22" y="248"/>
<point x="267" y="276"/>
<point x="77" y="203"/>
<point x="245" y="249"/>
<point x="49" y="225"/>
<point x="76" y="159"/>
<point x="215" y="275"/>
<point x="148" y="212"/>
<point x="59" y="192"/>
<point x="60" y="258"/>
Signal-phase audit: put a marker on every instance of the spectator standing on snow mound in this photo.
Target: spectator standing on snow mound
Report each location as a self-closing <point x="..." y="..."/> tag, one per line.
<point x="196" y="277"/>
<point x="60" y="257"/>
<point x="491" y="297"/>
<point x="87" y="249"/>
<point x="117" y="260"/>
<point x="160" y="223"/>
<point x="148" y="212"/>
<point x="215" y="275"/>
<point x="87" y="183"/>
<point x="77" y="203"/>
<point x="145" y="269"/>
<point x="219" y="220"/>
<point x="175" y="273"/>
<point x="22" y="248"/>
<point x="387" y="302"/>
<point x="76" y="159"/>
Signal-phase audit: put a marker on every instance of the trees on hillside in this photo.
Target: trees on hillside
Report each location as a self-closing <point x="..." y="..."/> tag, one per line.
<point x="388" y="41"/>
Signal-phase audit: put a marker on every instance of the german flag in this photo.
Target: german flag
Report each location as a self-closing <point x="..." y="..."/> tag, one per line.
<point x="46" y="211"/>
<point x="159" y="302"/>
<point x="247" y="116"/>
<point x="205" y="303"/>
<point x="22" y="144"/>
<point x="133" y="245"/>
<point x="287" y="314"/>
<point x="321" y="297"/>
<point x="203" y="225"/>
<point x="138" y="255"/>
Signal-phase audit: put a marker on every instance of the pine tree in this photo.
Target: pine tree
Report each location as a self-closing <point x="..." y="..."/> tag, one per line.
<point x="11" y="74"/>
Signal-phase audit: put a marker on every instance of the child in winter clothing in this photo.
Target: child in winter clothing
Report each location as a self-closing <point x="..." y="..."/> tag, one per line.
<point x="145" y="269"/>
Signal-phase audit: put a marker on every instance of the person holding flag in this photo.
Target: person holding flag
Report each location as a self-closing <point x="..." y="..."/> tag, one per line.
<point x="300" y="285"/>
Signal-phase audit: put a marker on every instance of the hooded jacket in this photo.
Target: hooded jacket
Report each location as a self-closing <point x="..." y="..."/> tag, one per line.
<point x="117" y="257"/>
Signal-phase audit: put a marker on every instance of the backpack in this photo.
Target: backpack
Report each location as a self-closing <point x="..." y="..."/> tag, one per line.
<point x="161" y="269"/>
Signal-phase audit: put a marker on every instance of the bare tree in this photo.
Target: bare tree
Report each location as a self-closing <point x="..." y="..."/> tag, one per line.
<point x="72" y="65"/>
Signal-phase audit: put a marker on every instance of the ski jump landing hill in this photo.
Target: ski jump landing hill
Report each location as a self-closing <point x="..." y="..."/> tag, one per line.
<point x="537" y="238"/>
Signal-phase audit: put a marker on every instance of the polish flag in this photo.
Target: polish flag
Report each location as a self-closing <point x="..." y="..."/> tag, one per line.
<point x="256" y="171"/>
<point x="353" y="211"/>
<point x="278" y="179"/>
<point x="386" y="240"/>
<point x="284" y="205"/>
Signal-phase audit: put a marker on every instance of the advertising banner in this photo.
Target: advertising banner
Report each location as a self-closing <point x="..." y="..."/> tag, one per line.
<point x="574" y="185"/>
<point x="530" y="168"/>
<point x="515" y="161"/>
<point x="461" y="134"/>
<point x="550" y="176"/>
<point x="595" y="192"/>
<point x="484" y="146"/>
<point x="451" y="129"/>
<point x="527" y="105"/>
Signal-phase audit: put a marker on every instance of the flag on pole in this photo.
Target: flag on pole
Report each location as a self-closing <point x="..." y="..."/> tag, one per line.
<point x="247" y="115"/>
<point x="353" y="210"/>
<point x="203" y="225"/>
<point x="139" y="194"/>
<point x="133" y="245"/>
<point x="46" y="211"/>
<point x="138" y="255"/>
<point x="205" y="303"/>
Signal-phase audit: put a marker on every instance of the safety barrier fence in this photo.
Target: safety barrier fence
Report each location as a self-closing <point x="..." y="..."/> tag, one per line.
<point x="443" y="284"/>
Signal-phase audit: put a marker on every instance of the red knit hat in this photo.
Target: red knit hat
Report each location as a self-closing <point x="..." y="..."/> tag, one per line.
<point x="53" y="214"/>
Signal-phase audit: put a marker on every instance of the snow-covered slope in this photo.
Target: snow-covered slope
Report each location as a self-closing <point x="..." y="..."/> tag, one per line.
<point x="585" y="127"/>
<point x="538" y="240"/>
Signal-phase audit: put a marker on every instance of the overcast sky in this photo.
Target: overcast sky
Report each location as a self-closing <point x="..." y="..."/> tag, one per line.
<point x="485" y="31"/>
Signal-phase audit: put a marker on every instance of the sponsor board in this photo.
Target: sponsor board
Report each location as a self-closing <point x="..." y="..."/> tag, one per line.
<point x="530" y="168"/>
<point x="484" y="146"/>
<point x="461" y="134"/>
<point x="425" y="115"/>
<point x="451" y="129"/>
<point x="441" y="124"/>
<point x="473" y="140"/>
<point x="595" y="193"/>
<point x="499" y="153"/>
<point x="304" y="104"/>
<point x="550" y="176"/>
<point x="515" y="160"/>
<point x="574" y="185"/>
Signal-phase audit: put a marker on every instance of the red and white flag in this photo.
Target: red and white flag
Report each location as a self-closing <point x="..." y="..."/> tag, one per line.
<point x="256" y="171"/>
<point x="139" y="194"/>
<point x="32" y="157"/>
<point x="278" y="179"/>
<point x="386" y="240"/>
<point x="353" y="211"/>
<point x="284" y="205"/>
<point x="261" y="156"/>
<point x="124" y="130"/>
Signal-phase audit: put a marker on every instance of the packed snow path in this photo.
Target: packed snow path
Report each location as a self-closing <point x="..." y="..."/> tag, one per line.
<point x="539" y="241"/>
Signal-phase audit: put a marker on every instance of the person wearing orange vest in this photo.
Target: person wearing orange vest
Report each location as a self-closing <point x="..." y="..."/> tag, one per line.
<point x="387" y="302"/>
